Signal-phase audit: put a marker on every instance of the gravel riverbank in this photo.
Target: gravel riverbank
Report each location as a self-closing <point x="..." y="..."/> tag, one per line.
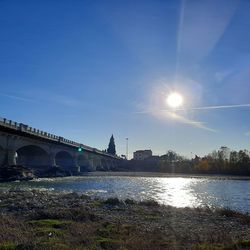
<point x="52" y="220"/>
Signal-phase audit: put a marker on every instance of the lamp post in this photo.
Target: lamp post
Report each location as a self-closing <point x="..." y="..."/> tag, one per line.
<point x="127" y="148"/>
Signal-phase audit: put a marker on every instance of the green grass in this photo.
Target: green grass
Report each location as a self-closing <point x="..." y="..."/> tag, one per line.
<point x="95" y="203"/>
<point x="244" y="243"/>
<point x="149" y="214"/>
<point x="207" y="246"/>
<point x="7" y="246"/>
<point x="53" y="243"/>
<point x="49" y="223"/>
<point x="108" y="243"/>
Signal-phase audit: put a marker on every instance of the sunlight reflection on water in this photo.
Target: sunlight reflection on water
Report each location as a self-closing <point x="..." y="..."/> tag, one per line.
<point x="177" y="192"/>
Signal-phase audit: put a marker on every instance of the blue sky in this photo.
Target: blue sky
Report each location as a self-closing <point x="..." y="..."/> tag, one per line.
<point x="87" y="69"/>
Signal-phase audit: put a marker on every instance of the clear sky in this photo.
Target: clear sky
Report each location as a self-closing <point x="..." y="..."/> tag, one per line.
<point x="87" y="69"/>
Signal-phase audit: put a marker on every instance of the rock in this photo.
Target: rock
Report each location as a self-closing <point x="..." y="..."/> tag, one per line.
<point x="14" y="173"/>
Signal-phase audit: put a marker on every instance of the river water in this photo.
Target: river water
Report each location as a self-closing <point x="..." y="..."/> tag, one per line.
<point x="178" y="191"/>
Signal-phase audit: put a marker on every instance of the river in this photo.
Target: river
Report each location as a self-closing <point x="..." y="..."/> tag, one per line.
<point x="178" y="191"/>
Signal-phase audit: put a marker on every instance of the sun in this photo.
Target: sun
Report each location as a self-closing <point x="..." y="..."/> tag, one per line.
<point x="174" y="100"/>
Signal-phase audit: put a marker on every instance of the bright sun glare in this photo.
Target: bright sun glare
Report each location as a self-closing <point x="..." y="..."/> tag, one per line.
<point x="174" y="100"/>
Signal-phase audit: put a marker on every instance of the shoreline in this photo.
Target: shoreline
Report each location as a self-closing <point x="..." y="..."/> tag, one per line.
<point x="54" y="220"/>
<point x="29" y="177"/>
<point x="158" y="174"/>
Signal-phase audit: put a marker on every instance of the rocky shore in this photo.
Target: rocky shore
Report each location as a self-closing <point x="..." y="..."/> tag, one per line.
<point x="51" y="220"/>
<point x="22" y="173"/>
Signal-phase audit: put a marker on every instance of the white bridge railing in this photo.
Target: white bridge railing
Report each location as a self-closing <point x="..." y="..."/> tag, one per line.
<point x="37" y="132"/>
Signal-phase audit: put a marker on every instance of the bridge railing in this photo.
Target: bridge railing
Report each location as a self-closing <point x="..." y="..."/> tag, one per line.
<point x="9" y="123"/>
<point x="33" y="131"/>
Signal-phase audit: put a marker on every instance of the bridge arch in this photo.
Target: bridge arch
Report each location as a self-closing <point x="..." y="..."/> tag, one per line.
<point x="20" y="143"/>
<point x="64" y="160"/>
<point x="32" y="156"/>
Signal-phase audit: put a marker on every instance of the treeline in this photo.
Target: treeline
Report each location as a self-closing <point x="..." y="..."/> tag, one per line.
<point x="235" y="163"/>
<point x="238" y="162"/>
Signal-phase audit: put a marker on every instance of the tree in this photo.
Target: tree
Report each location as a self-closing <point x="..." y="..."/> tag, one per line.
<point x="202" y="166"/>
<point x="234" y="158"/>
<point x="170" y="157"/>
<point x="111" y="147"/>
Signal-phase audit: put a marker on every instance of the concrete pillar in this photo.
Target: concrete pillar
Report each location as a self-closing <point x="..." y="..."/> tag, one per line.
<point x="83" y="163"/>
<point x="98" y="164"/>
<point x="12" y="157"/>
<point x="76" y="165"/>
<point x="52" y="160"/>
<point x="91" y="165"/>
<point x="11" y="154"/>
<point x="111" y="164"/>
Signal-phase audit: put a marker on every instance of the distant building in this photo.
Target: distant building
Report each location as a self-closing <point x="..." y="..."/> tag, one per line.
<point x="142" y="154"/>
<point x="154" y="158"/>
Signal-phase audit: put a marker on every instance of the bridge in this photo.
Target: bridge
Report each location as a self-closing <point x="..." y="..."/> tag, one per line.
<point x="23" y="145"/>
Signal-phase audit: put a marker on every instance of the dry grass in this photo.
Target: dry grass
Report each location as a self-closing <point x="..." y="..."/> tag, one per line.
<point x="227" y="212"/>
<point x="74" y="214"/>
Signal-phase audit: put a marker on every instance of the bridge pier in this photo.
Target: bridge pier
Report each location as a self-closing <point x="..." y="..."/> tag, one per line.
<point x="91" y="165"/>
<point x="52" y="160"/>
<point x="76" y="167"/>
<point x="98" y="164"/>
<point x="11" y="157"/>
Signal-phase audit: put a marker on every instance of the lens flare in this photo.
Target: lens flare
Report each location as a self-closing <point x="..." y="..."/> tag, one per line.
<point x="174" y="100"/>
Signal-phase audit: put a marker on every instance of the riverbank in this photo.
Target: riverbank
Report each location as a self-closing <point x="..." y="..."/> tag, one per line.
<point x="159" y="174"/>
<point x="22" y="173"/>
<point x="52" y="220"/>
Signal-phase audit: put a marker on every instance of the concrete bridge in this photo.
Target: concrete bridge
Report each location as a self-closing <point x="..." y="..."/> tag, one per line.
<point x="39" y="150"/>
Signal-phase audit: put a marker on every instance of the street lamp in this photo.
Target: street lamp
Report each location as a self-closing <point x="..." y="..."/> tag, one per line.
<point x="127" y="148"/>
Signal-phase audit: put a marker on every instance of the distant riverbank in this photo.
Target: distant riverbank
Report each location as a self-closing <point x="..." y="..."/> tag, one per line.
<point x="21" y="173"/>
<point x="158" y="174"/>
<point x="57" y="220"/>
